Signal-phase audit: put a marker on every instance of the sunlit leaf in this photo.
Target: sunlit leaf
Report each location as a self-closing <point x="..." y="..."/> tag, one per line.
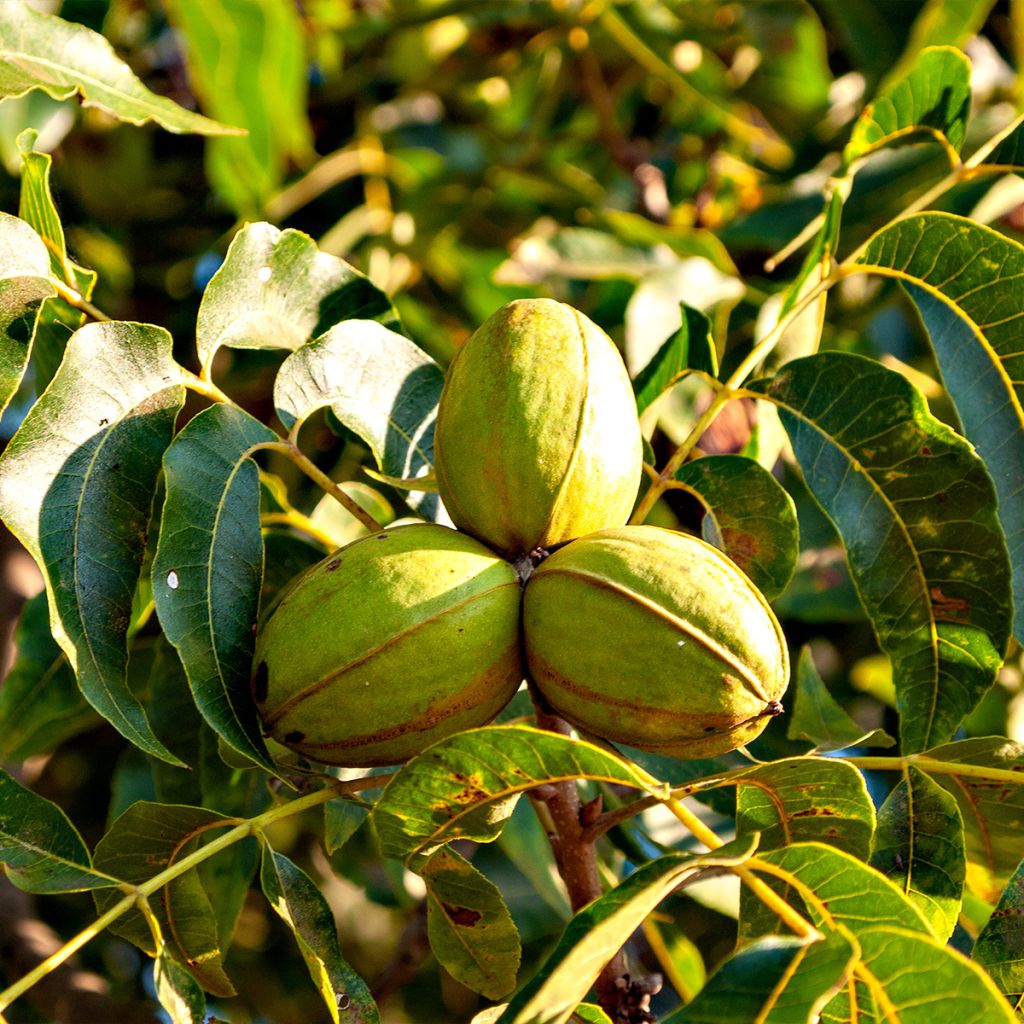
<point x="691" y="348"/>
<point x="76" y="488"/>
<point x="40" y="849"/>
<point x="298" y="902"/>
<point x="208" y="568"/>
<point x="275" y="289"/>
<point x="39" y="51"/>
<point x="962" y="277"/>
<point x="466" y="786"/>
<point x="179" y="995"/>
<point x="1000" y="946"/>
<point x="934" y="100"/>
<point x="471" y="931"/>
<point x="379" y="385"/>
<point x="596" y="933"/>
<point x="748" y="515"/>
<point x="916" y="510"/>
<point x="143" y="841"/>
<point x="818" y="718"/>
<point x="919" y="845"/>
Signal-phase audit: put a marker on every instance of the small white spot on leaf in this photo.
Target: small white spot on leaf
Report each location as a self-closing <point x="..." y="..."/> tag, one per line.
<point x="172" y="580"/>
<point x="680" y="643"/>
<point x="263" y="273"/>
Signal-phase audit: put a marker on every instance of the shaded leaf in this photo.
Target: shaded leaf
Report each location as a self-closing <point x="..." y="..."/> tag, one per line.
<point x="691" y="348"/>
<point x="298" y="902"/>
<point x="39" y="848"/>
<point x="819" y="719"/>
<point x="919" y="845"/>
<point x="962" y="278"/>
<point x="24" y="285"/>
<point x="379" y="385"/>
<point x="39" y="51"/>
<point x="597" y="932"/>
<point x="466" y="786"/>
<point x="1000" y="946"/>
<point x="40" y="704"/>
<point x="146" y="839"/>
<point x="986" y="777"/>
<point x="179" y="995"/>
<point x="247" y="62"/>
<point x="777" y="980"/>
<point x="275" y="289"/>
<point x="934" y="100"/>
<point x="1008" y="152"/>
<point x="470" y="929"/>
<point x="76" y="488"/>
<point x="749" y="515"/>
<point x="916" y="510"/>
<point x="208" y="568"/>
<point x="341" y="820"/>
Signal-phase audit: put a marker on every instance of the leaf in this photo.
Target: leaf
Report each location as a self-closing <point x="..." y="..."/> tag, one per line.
<point x="40" y="849"/>
<point x="40" y="704"/>
<point x="275" y="289"/>
<point x="916" y="511"/>
<point x="1000" y="946"/>
<point x="143" y="841"/>
<point x="76" y="488"/>
<point x="298" y="902"/>
<point x="470" y="929"/>
<point x="177" y="991"/>
<point x="986" y="776"/>
<point x="466" y="786"/>
<point x="208" y="568"/>
<point x="962" y="278"/>
<point x="775" y="980"/>
<point x="748" y="515"/>
<point x="379" y="385"/>
<point x="24" y="285"/>
<point x="819" y="719"/>
<point x="342" y="819"/>
<point x="806" y="799"/>
<point x="691" y="348"/>
<point x="247" y="62"/>
<point x="1008" y="151"/>
<point x="39" y="51"/>
<point x="922" y="981"/>
<point x="598" y="931"/>
<point x="933" y="100"/>
<point x="919" y="845"/>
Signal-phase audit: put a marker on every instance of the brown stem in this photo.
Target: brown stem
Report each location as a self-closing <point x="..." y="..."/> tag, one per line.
<point x="623" y="999"/>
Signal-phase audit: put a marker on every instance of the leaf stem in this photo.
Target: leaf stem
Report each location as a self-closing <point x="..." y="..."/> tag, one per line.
<point x="292" y="451"/>
<point x="241" y="830"/>
<point x="75" y="298"/>
<point x="206" y="388"/>
<point x="935" y="766"/>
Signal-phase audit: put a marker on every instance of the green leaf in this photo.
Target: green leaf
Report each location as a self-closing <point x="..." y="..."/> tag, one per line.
<point x="145" y="840"/>
<point x="986" y="777"/>
<point x="40" y="849"/>
<point x="1008" y="152"/>
<point x="597" y="932"/>
<point x="775" y="980"/>
<point x="76" y="488"/>
<point x="40" y="705"/>
<point x="24" y="285"/>
<point x="247" y="62"/>
<point x="934" y="100"/>
<point x="39" y="51"/>
<point x="298" y="902"/>
<point x="587" y="1013"/>
<point x="749" y="515"/>
<point x="922" y="981"/>
<point x="379" y="385"/>
<point x="470" y="929"/>
<point x="919" y="845"/>
<point x="275" y="289"/>
<point x="916" y="510"/>
<point x="692" y="347"/>
<point x="342" y="818"/>
<point x="208" y="568"/>
<point x="962" y="277"/>
<point x="466" y="786"/>
<point x="819" y="719"/>
<point x="1000" y="946"/>
<point x="179" y="995"/>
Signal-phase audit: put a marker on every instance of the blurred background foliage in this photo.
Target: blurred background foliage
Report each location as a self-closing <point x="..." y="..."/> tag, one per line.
<point x="621" y="156"/>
